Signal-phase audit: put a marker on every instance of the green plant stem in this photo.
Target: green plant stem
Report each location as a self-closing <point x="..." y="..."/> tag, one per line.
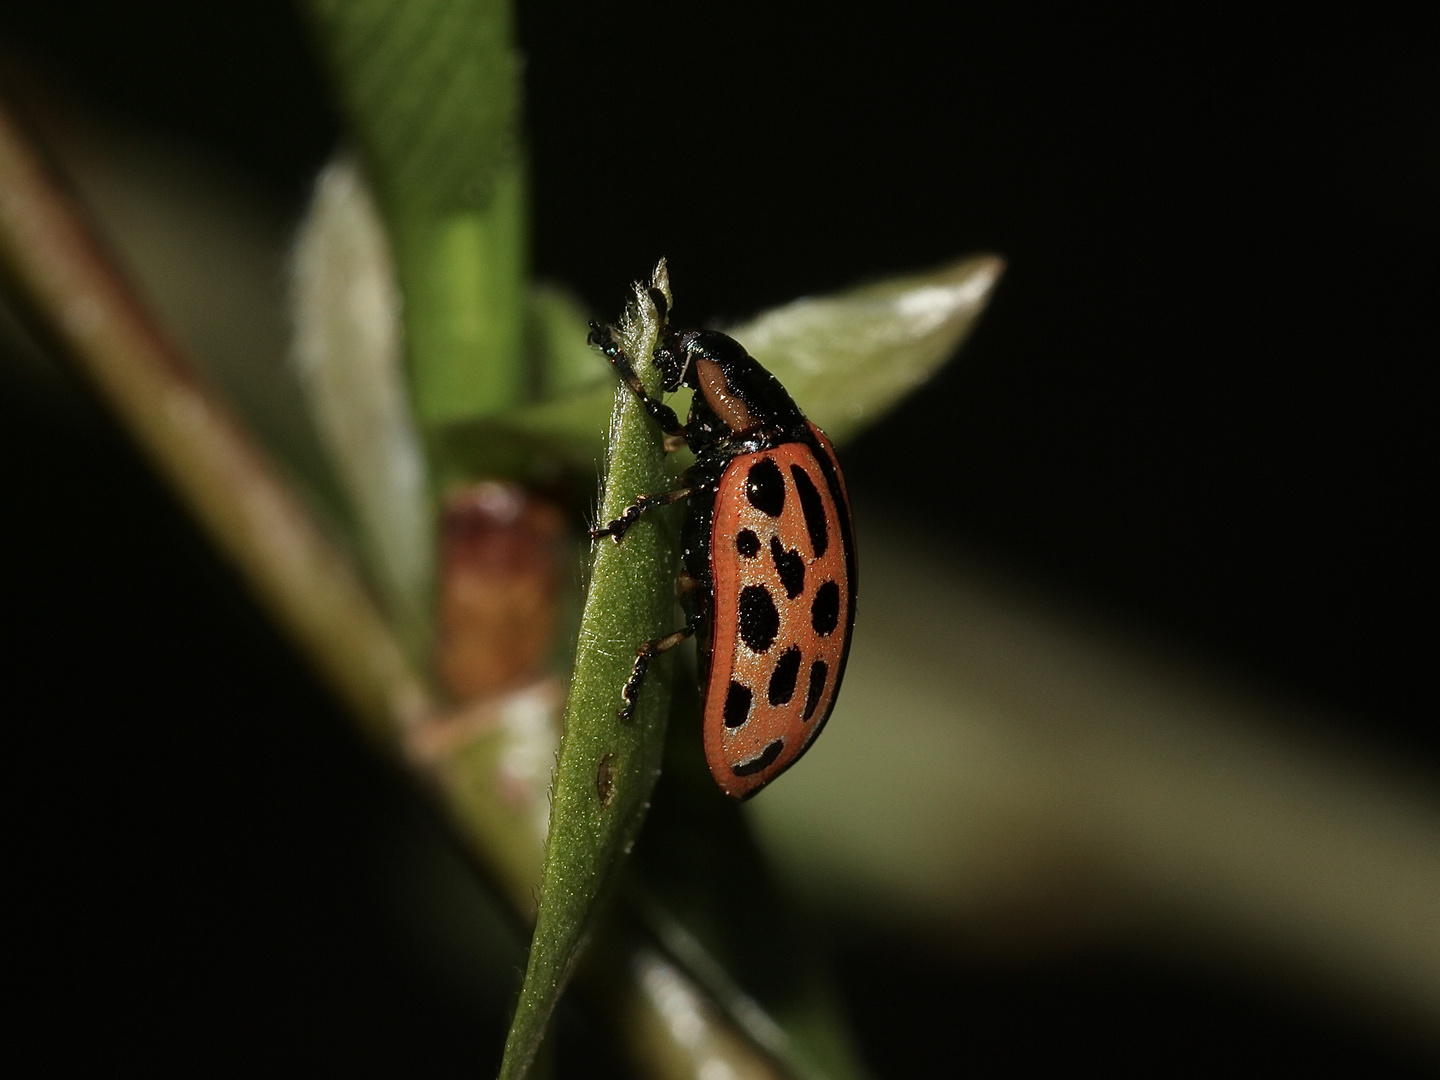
<point x="463" y="277"/>
<point x="194" y="440"/>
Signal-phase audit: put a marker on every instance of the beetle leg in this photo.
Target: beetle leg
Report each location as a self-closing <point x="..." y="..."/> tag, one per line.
<point x="603" y="338"/>
<point x="643" y="655"/>
<point x="643" y="504"/>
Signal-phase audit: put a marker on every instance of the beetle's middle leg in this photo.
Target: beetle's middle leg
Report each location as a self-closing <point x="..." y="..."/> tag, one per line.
<point x="630" y="693"/>
<point x="642" y="505"/>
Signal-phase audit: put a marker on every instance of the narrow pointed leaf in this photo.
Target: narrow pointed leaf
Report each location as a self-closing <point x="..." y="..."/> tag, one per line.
<point x="847" y="359"/>
<point x="607" y="766"/>
<point x="346" y="309"/>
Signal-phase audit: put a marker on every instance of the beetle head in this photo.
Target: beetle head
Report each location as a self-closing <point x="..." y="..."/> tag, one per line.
<point x="676" y="360"/>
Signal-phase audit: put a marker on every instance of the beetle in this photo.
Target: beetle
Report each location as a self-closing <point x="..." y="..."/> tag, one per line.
<point x="769" y="581"/>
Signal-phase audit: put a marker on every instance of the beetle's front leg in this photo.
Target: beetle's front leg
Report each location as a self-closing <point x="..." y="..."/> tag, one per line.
<point x="603" y="338"/>
<point x="643" y="504"/>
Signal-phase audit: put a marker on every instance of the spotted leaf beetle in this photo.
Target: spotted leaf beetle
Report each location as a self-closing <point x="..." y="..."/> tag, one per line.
<point x="768" y="583"/>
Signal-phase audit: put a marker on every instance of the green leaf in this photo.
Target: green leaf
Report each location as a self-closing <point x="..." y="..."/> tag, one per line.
<point x="345" y="307"/>
<point x="607" y="766"/>
<point x="431" y="89"/>
<point x="849" y="359"/>
<point x="846" y="359"/>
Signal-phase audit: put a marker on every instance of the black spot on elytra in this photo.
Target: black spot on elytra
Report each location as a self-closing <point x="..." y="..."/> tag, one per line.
<point x="790" y="566"/>
<point x="764" y="761"/>
<point x="818" y="670"/>
<point x="747" y="543"/>
<point x="737" y="704"/>
<point x="765" y="487"/>
<point x="782" y="679"/>
<point x="825" y="608"/>
<point x="813" y="508"/>
<point x="759" y="621"/>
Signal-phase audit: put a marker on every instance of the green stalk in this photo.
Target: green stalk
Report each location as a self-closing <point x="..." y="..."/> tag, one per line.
<point x="463" y="277"/>
<point x="431" y="88"/>
<point x="608" y="766"/>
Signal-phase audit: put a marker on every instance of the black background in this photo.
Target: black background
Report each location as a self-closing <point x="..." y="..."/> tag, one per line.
<point x="1201" y="401"/>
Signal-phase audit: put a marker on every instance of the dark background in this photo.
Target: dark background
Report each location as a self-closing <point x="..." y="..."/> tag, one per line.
<point x="1200" y="402"/>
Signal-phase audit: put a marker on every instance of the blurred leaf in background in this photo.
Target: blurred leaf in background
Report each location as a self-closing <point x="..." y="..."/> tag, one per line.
<point x="431" y="89"/>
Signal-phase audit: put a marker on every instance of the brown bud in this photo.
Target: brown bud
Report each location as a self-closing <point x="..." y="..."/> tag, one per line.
<point x="500" y="566"/>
